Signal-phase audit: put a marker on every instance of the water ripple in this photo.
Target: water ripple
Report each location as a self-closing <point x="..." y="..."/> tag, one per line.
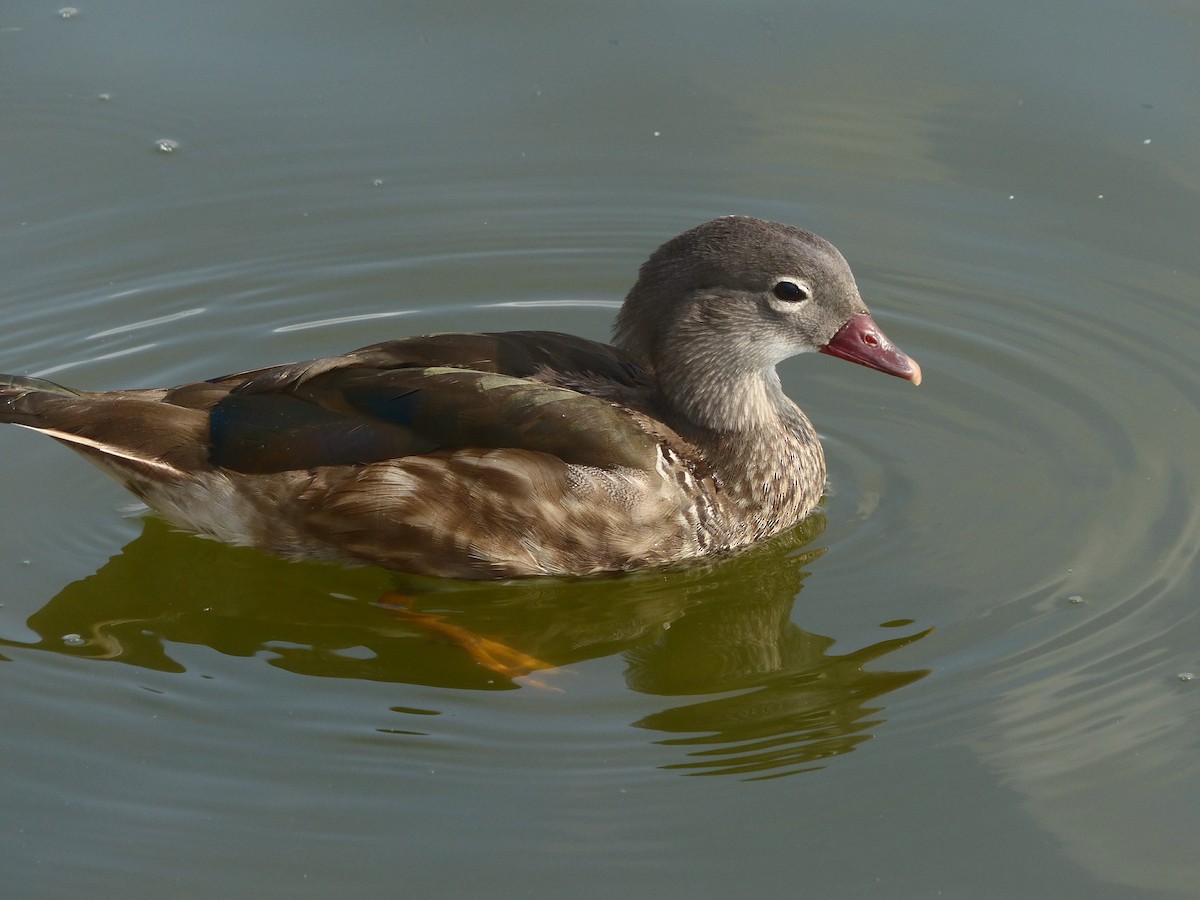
<point x="1044" y="483"/>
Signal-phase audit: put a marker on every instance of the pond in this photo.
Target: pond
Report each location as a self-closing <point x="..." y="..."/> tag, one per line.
<point x="975" y="671"/>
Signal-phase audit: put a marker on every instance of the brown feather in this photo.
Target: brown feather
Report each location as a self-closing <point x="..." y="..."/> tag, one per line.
<point x="513" y="454"/>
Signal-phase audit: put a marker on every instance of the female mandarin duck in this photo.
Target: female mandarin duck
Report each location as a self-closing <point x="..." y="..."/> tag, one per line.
<point x="511" y="454"/>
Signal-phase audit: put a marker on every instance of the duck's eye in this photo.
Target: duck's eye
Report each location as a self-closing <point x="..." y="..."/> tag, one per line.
<point x="791" y="291"/>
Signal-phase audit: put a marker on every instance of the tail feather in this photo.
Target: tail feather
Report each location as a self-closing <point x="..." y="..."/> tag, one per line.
<point x="114" y="428"/>
<point x="23" y="397"/>
<point x="30" y="383"/>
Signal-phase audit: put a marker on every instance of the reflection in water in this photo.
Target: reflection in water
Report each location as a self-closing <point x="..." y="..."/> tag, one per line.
<point x="724" y="628"/>
<point x="802" y="708"/>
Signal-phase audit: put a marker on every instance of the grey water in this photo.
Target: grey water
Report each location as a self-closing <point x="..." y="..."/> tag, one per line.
<point x="971" y="674"/>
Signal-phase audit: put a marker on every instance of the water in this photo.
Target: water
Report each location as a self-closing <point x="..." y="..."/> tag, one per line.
<point x="966" y="676"/>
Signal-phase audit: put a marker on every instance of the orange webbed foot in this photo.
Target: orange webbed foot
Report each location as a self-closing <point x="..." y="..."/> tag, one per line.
<point x="491" y="654"/>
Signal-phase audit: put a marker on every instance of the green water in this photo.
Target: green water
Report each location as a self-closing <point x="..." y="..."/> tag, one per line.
<point x="967" y="676"/>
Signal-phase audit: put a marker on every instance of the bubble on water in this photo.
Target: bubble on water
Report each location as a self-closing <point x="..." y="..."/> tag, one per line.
<point x="67" y="12"/>
<point x="73" y="640"/>
<point x="166" y="145"/>
<point x="104" y="96"/>
<point x="378" y="182"/>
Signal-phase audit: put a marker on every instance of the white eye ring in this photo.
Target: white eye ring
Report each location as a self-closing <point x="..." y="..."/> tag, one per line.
<point x="791" y="290"/>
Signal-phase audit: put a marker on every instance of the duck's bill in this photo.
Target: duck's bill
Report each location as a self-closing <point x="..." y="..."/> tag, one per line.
<point x="861" y="341"/>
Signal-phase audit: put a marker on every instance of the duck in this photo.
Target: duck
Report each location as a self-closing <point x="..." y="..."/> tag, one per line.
<point x="510" y="454"/>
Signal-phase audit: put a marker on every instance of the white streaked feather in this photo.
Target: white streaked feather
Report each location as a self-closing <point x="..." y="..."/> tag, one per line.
<point x="108" y="450"/>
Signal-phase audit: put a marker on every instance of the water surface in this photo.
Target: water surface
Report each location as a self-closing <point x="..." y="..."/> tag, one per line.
<point x="967" y="675"/>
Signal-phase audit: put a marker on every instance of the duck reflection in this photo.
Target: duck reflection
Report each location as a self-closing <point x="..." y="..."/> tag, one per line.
<point x="723" y="628"/>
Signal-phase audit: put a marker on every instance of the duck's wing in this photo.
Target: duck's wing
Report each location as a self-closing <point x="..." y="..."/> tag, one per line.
<point x="547" y="356"/>
<point x="424" y="395"/>
<point x="390" y="400"/>
<point x="369" y="415"/>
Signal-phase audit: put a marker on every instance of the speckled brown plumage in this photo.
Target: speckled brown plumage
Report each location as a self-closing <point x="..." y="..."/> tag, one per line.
<point x="512" y="454"/>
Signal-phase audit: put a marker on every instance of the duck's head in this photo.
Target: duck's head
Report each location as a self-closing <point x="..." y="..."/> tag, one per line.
<point x="716" y="308"/>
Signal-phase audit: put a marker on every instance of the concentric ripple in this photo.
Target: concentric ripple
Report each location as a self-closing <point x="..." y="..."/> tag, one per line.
<point x="1040" y="488"/>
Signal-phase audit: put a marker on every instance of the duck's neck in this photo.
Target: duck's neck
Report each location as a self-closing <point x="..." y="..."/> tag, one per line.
<point x="762" y="449"/>
<point x="730" y="403"/>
